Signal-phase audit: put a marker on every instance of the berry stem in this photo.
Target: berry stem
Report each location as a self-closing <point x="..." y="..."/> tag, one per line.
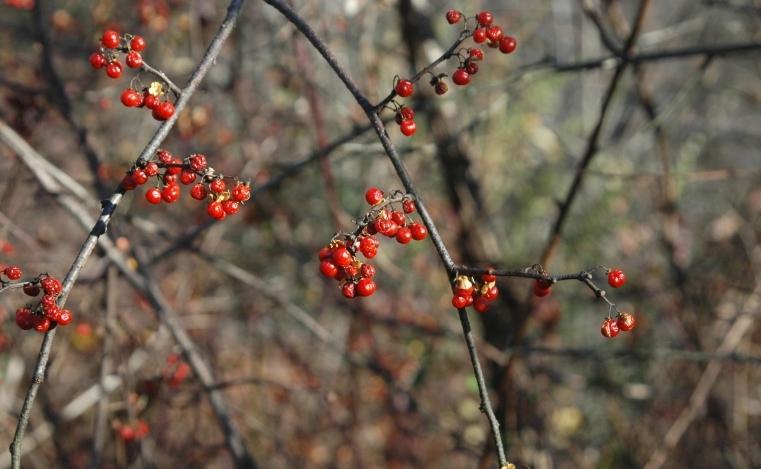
<point x="175" y="89"/>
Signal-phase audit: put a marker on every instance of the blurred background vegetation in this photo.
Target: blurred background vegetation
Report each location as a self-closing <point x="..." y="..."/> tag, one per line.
<point x="671" y="195"/>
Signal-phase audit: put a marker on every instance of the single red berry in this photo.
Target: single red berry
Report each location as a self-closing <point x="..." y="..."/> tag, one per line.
<point x="440" y="87"/>
<point x="481" y="304"/>
<point x="484" y="18"/>
<point x="164" y="156"/>
<point x="542" y="287"/>
<point x="404" y="235"/>
<point x="471" y="67"/>
<point x="404" y="113"/>
<point x="150" y="101"/>
<point x="134" y="60"/>
<point x="52" y="312"/>
<point x="404" y="88"/>
<point x="475" y="54"/>
<point x="461" y="77"/>
<point x="507" y="44"/>
<point x="408" y="127"/>
<point x="391" y="229"/>
<point x="367" y="271"/>
<point x="494" y="33"/>
<point x="24" y="318"/>
<point x="341" y="256"/>
<point x="131" y="98"/>
<point x="459" y="301"/>
<point x="616" y="278"/>
<point x="197" y="162"/>
<point x="215" y="210"/>
<point x="373" y="196"/>
<point x="218" y="186"/>
<point x="241" y="192"/>
<point x="408" y="206"/>
<point x="51" y="286"/>
<point x="187" y="177"/>
<point x="97" y="60"/>
<point x="13" y="272"/>
<point x="114" y="69"/>
<point x="170" y="193"/>
<point x="110" y="39"/>
<point x="419" y="231"/>
<point x="453" y="16"/>
<point x="325" y="253"/>
<point x="137" y="43"/>
<point x="328" y="269"/>
<point x="31" y="289"/>
<point x="139" y="176"/>
<point x="368" y="246"/>
<point x="492" y="293"/>
<point x="348" y="290"/>
<point x="169" y="179"/>
<point x="231" y="207"/>
<point x="127" y="433"/>
<point x="398" y="218"/>
<point x="41" y="323"/>
<point x="626" y="321"/>
<point x="609" y="328"/>
<point x="151" y="169"/>
<point x="479" y="35"/>
<point x="351" y="271"/>
<point x="153" y="196"/>
<point x="366" y="287"/>
<point x="163" y="111"/>
<point x="47" y="301"/>
<point x="199" y="191"/>
<point x="127" y="183"/>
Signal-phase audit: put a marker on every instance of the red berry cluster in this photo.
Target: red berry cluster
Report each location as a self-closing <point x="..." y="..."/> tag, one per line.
<point x="46" y="314"/>
<point x="624" y="321"/>
<point x="484" y="32"/>
<point x="339" y="260"/>
<point x="108" y="56"/>
<point x="477" y="293"/>
<point x="134" y="431"/>
<point x="170" y="172"/>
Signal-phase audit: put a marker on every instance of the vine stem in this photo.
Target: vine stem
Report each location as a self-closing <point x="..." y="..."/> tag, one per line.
<point x="108" y="208"/>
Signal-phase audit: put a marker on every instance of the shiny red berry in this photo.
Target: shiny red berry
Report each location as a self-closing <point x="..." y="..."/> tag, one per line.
<point x="492" y="293"/>
<point x="408" y="206"/>
<point x="24" y="318"/>
<point x="398" y="218"/>
<point x="342" y="257"/>
<point x="419" y="231"/>
<point x="153" y="196"/>
<point x="65" y="317"/>
<point x="507" y="44"/>
<point x="199" y="191"/>
<point x="403" y="235"/>
<point x="187" y="177"/>
<point x="366" y="287"/>
<point x="325" y="253"/>
<point x="542" y="287"/>
<point x="170" y="193"/>
<point x="328" y="269"/>
<point x="484" y="18"/>
<point x="97" y="60"/>
<point x="453" y="16"/>
<point x="408" y="127"/>
<point x="215" y="210"/>
<point x="151" y="169"/>
<point x="476" y="54"/>
<point x="41" y="323"/>
<point x="368" y="246"/>
<point x="404" y="113"/>
<point x="110" y="39"/>
<point x="367" y="271"/>
<point x="131" y="98"/>
<point x="114" y="69"/>
<point x="150" y="101"/>
<point x="137" y="43"/>
<point x="51" y="286"/>
<point x="218" y="186"/>
<point x="481" y="304"/>
<point x="139" y="176"/>
<point x="134" y="60"/>
<point x="348" y="290"/>
<point x="404" y="88"/>
<point x="616" y="278"/>
<point x="163" y="111"/>
<point x="13" y="272"/>
<point x="609" y="328"/>
<point x="231" y="207"/>
<point x="626" y="321"/>
<point x="471" y="67"/>
<point x="494" y="33"/>
<point x="461" y="77"/>
<point x="479" y="35"/>
<point x="373" y="196"/>
<point x="459" y="301"/>
<point x="197" y="162"/>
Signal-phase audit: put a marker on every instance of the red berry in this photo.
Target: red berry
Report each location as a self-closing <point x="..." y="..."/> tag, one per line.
<point x="408" y="206"/>
<point x="131" y="98"/>
<point x="348" y="290"/>
<point x="350" y="271"/>
<point x="404" y="235"/>
<point x="97" y="60"/>
<point x="391" y="229"/>
<point x="609" y="328"/>
<point x="110" y="39"/>
<point x="199" y="192"/>
<point x="231" y="207"/>
<point x="153" y="196"/>
<point x="151" y="169"/>
<point x="494" y="33"/>
<point x="366" y="287"/>
<point x="325" y="253"/>
<point x="187" y="177"/>
<point x="164" y="156"/>
<point x="419" y="231"/>
<point x="459" y="301"/>
<point x="218" y="186"/>
<point x="127" y="433"/>
<point x="197" y="162"/>
<point x="215" y="210"/>
<point x="476" y="54"/>
<point x="453" y="16"/>
<point x="461" y="77"/>
<point x="342" y="257"/>
<point x="373" y="196"/>
<point x="163" y="111"/>
<point x="31" y="289"/>
<point x="368" y="246"/>
<point x="24" y="318"/>
<point x="150" y="101"/>
<point x="408" y="127"/>
<point x="404" y="88"/>
<point x="170" y="193"/>
<point x="492" y="293"/>
<point x="626" y="321"/>
<point x="398" y="218"/>
<point x="169" y="179"/>
<point x="481" y="304"/>
<point x="139" y="177"/>
<point x="367" y="271"/>
<point x="471" y="67"/>
<point x="404" y="113"/>
<point x="52" y="312"/>
<point x="440" y="87"/>
<point x="13" y="272"/>
<point x="507" y="44"/>
<point x="137" y="43"/>
<point x="41" y="323"/>
<point x="479" y="35"/>
<point x="114" y="69"/>
<point x="616" y="278"/>
<point x="484" y="18"/>
<point x="542" y="287"/>
<point x="328" y="269"/>
<point x="51" y="286"/>
<point x="241" y="192"/>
